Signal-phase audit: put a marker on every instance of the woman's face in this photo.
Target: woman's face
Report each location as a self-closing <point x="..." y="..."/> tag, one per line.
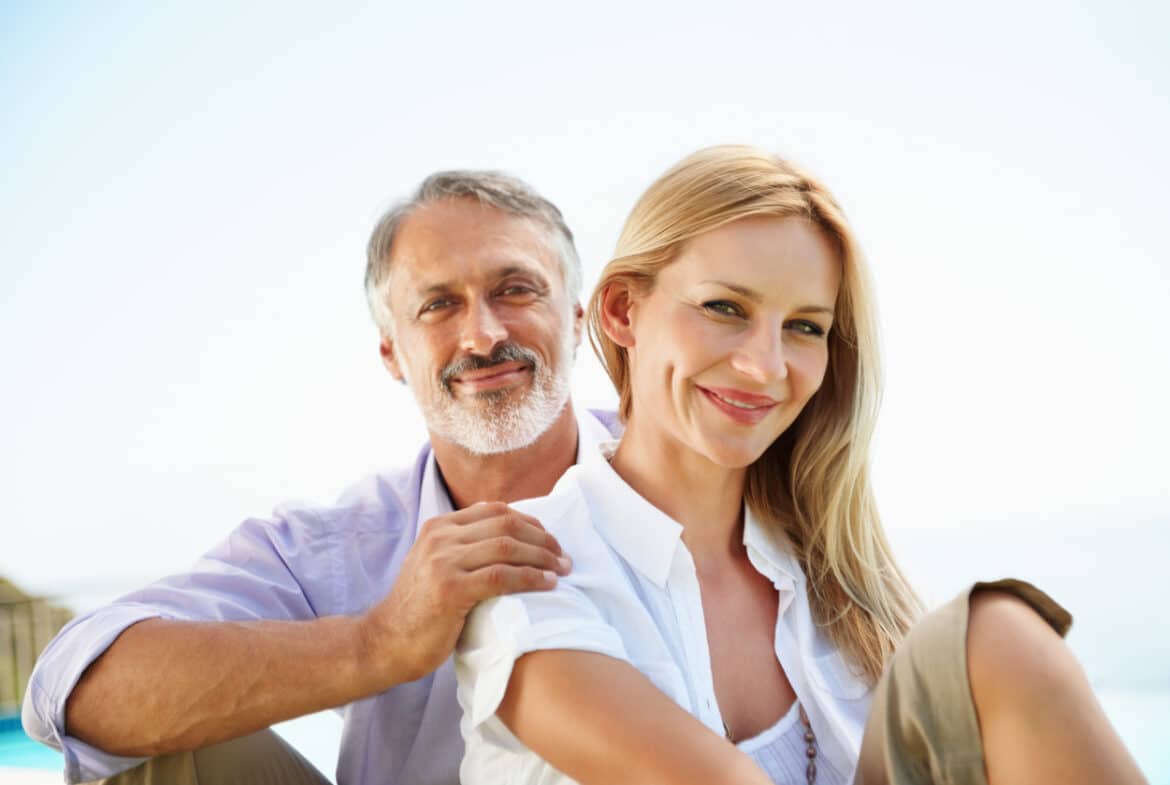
<point x="733" y="340"/>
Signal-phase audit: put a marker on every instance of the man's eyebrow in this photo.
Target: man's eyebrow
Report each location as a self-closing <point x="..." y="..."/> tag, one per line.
<point x="516" y="269"/>
<point x="756" y="297"/>
<point x="446" y="286"/>
<point x="435" y="288"/>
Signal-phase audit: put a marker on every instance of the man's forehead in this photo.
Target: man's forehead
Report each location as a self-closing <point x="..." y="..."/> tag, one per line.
<point x="461" y="239"/>
<point x="464" y="220"/>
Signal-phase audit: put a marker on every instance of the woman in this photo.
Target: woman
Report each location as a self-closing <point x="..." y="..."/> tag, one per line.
<point x="733" y="600"/>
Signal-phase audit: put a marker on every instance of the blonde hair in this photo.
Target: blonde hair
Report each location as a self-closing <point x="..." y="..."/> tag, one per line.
<point x="813" y="481"/>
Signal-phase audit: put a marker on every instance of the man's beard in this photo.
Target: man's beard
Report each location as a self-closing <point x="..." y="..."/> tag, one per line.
<point x="507" y="419"/>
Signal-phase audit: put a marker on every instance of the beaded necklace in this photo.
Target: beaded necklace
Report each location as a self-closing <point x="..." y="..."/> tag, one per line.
<point x="810" y="738"/>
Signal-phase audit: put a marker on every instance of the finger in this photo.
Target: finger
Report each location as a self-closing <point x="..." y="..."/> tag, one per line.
<point x="475" y="512"/>
<point x="481" y="511"/>
<point x="497" y="579"/>
<point x="513" y="525"/>
<point x="506" y="550"/>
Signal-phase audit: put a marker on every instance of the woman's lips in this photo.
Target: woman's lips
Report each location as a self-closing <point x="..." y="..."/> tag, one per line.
<point x="742" y="407"/>
<point x="492" y="378"/>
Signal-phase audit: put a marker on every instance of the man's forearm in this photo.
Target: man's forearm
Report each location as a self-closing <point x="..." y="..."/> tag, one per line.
<point x="167" y="686"/>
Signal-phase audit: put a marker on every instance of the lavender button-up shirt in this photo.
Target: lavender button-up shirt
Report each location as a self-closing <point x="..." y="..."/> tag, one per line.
<point x="302" y="563"/>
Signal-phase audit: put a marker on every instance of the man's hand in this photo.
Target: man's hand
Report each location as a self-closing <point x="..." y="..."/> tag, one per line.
<point x="459" y="559"/>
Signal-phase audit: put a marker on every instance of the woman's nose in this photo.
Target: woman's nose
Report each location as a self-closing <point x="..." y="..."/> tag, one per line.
<point x="761" y="357"/>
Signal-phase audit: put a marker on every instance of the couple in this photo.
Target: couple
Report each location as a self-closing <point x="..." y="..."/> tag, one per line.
<point x="706" y="597"/>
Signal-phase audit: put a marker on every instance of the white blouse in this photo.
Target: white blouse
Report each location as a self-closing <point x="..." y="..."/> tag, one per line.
<point x="782" y="753"/>
<point x="633" y="594"/>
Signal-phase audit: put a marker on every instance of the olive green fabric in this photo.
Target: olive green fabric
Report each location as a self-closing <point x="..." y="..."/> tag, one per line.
<point x="922" y="728"/>
<point x="259" y="759"/>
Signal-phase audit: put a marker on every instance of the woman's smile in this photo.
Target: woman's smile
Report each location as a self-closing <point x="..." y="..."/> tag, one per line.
<point x="742" y="407"/>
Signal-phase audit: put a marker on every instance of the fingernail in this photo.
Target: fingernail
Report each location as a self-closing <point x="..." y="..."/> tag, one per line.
<point x="565" y="563"/>
<point x="550" y="576"/>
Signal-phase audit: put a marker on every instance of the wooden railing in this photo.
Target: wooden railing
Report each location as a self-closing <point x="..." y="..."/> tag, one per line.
<point x="26" y="627"/>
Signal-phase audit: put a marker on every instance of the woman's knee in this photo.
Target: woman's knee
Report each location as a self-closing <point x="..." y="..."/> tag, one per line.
<point x="1038" y="718"/>
<point x="1013" y="653"/>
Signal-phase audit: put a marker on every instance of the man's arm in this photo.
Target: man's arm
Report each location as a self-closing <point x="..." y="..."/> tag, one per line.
<point x="165" y="686"/>
<point x="599" y="720"/>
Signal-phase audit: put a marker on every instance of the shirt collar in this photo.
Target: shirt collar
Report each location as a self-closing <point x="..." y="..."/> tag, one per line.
<point x="647" y="538"/>
<point x="433" y="498"/>
<point x="644" y="535"/>
<point x="770" y="551"/>
<point x="592" y="431"/>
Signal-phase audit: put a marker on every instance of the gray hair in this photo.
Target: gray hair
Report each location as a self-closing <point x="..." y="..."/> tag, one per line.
<point x="496" y="189"/>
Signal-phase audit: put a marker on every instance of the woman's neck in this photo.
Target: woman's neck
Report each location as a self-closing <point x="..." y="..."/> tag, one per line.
<point x="704" y="497"/>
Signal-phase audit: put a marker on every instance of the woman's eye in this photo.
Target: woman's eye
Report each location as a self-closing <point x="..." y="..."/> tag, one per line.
<point x="808" y="328"/>
<point x="723" y="308"/>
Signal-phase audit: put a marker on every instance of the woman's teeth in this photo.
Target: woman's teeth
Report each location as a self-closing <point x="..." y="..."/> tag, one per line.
<point x="736" y="404"/>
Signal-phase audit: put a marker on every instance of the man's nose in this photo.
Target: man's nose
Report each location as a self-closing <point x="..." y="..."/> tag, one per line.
<point x="482" y="330"/>
<point x="761" y="357"/>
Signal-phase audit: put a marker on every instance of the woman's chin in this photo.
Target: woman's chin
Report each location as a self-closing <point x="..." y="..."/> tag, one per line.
<point x="732" y="454"/>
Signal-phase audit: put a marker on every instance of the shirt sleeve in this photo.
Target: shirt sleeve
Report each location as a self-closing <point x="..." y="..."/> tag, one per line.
<point x="572" y="615"/>
<point x="501" y="630"/>
<point x="257" y="572"/>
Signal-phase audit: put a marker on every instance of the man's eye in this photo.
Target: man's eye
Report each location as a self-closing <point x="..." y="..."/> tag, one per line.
<point x="515" y="290"/>
<point x="435" y="305"/>
<point x="723" y="307"/>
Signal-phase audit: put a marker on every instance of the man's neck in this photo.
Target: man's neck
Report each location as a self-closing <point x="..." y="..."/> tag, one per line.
<point x="521" y="474"/>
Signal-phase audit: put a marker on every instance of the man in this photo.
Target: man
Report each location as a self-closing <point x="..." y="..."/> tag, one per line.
<point x="474" y="286"/>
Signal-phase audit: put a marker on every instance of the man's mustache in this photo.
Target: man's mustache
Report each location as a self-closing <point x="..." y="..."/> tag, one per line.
<point x="504" y="353"/>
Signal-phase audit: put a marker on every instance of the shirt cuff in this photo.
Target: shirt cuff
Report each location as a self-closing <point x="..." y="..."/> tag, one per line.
<point x="57" y="672"/>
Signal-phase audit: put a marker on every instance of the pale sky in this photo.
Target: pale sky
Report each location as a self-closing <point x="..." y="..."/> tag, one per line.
<point x="187" y="192"/>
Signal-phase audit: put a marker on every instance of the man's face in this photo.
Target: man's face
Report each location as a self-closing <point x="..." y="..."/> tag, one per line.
<point x="484" y="332"/>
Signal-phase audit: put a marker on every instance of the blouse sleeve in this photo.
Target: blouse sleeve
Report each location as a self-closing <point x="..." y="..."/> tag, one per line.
<point x="501" y="630"/>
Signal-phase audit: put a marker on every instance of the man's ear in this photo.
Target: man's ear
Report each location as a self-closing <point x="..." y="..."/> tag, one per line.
<point x="390" y="359"/>
<point x="617" y="312"/>
<point x="578" y="323"/>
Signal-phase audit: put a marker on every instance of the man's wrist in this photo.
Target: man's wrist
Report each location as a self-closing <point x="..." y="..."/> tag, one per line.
<point x="381" y="659"/>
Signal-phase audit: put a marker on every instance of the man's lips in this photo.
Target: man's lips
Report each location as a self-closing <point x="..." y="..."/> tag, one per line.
<point x="493" y="377"/>
<point x="743" y="407"/>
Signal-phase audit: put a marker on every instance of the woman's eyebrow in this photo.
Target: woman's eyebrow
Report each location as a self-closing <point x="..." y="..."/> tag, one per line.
<point x="750" y="294"/>
<point x="756" y="297"/>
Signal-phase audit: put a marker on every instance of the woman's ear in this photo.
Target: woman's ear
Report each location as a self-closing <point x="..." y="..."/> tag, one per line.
<point x="617" y="311"/>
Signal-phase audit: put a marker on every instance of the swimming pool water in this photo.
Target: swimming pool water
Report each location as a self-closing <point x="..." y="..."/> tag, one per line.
<point x="20" y="752"/>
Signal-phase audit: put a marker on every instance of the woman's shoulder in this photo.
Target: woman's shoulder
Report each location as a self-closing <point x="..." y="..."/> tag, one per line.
<point x="564" y="512"/>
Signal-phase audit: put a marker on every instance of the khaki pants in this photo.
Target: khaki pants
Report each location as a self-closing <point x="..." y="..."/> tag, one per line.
<point x="922" y="728"/>
<point x="259" y="759"/>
